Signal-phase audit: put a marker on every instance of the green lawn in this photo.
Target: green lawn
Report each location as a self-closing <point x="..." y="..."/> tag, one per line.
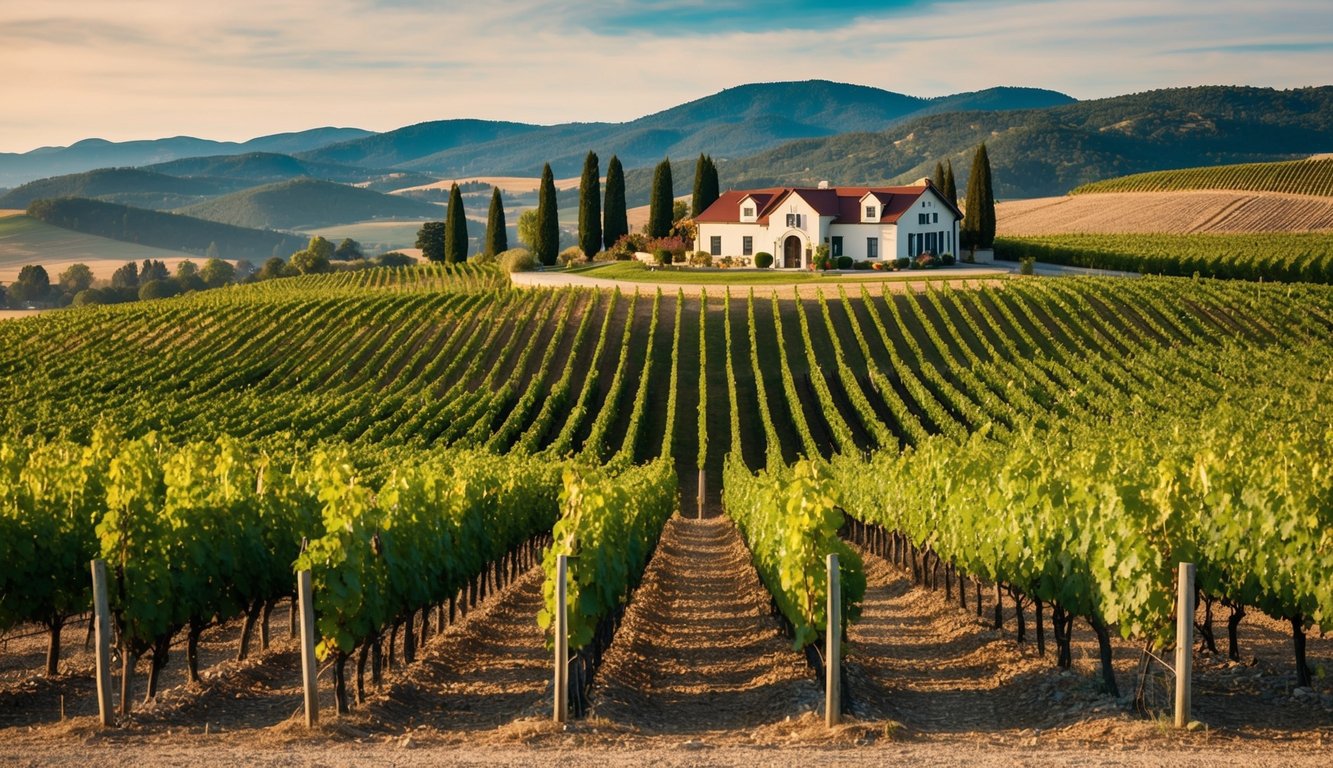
<point x="637" y="272"/>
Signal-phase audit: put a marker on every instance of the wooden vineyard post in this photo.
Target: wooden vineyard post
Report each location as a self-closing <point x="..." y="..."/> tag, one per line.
<point x="304" y="595"/>
<point x="832" y="651"/>
<point x="701" y="492"/>
<point x="561" y="639"/>
<point x="102" y="637"/>
<point x="1184" y="643"/>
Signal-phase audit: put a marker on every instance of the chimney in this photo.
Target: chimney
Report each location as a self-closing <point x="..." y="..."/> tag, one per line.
<point x="823" y="185"/>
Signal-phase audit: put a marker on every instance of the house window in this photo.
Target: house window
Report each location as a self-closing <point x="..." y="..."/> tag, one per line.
<point x="911" y="245"/>
<point x="872" y="247"/>
<point x="835" y="246"/>
<point x="870" y="212"/>
<point x="747" y="212"/>
<point x="794" y="220"/>
<point x="715" y="245"/>
<point x="934" y="218"/>
<point x="747" y="246"/>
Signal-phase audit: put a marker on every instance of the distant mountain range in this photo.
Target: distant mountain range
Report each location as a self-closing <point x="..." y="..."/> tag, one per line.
<point x="733" y="123"/>
<point x="19" y="168"/>
<point x="1041" y="152"/>
<point x="1041" y="143"/>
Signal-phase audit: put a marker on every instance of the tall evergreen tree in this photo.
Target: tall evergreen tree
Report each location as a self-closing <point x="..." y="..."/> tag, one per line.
<point x="497" y="240"/>
<point x="978" y="230"/>
<point x="546" y="245"/>
<point x="937" y="178"/>
<point x="590" y="207"/>
<point x="950" y="190"/>
<point x="659" y="207"/>
<point x="615" y="223"/>
<point x="705" y="185"/>
<point x="430" y="239"/>
<point x="455" y="229"/>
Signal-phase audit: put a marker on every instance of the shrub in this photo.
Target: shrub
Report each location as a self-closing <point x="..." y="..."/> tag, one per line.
<point x="701" y="259"/>
<point x="1027" y="266"/>
<point x="571" y="256"/>
<point x="902" y="263"/>
<point x="394" y="259"/>
<point x="88" y="297"/>
<point x="845" y="262"/>
<point x="861" y="265"/>
<point x="878" y="266"/>
<point x="605" y="256"/>
<point x="923" y="260"/>
<point x="158" y="289"/>
<point x="662" y="256"/>
<point x="517" y="260"/>
<point x="482" y="257"/>
<point x="679" y="257"/>
<point x="763" y="260"/>
<point x="947" y="259"/>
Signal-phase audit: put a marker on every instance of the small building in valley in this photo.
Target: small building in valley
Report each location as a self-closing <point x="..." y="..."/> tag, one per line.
<point x="865" y="223"/>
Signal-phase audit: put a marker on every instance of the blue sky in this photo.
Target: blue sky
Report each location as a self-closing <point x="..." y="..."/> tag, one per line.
<point x="240" y="68"/>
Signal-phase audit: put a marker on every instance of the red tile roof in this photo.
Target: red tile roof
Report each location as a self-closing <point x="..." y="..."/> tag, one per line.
<point x="842" y="203"/>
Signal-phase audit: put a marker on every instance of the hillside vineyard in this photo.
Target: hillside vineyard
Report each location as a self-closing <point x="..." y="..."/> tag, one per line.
<point x="1065" y="440"/>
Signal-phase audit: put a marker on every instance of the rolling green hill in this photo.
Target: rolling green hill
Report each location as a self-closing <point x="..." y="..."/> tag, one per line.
<point x="308" y="203"/>
<point x="1036" y="153"/>
<point x="163" y="230"/>
<point x="1297" y="177"/>
<point x="127" y="186"/>
<point x="25" y="240"/>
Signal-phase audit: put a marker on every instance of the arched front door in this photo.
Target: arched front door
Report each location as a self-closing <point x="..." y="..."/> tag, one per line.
<point x="791" y="252"/>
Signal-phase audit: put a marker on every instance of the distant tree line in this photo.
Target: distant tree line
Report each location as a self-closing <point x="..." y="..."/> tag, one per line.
<point x="152" y="279"/>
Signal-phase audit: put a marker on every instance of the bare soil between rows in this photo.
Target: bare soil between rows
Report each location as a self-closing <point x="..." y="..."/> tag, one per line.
<point x="699" y="674"/>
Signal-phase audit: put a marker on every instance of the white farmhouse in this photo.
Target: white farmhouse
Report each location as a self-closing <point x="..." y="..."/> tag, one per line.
<point x="865" y="223"/>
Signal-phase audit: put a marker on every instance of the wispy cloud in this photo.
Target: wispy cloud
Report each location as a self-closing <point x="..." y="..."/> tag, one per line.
<point x="232" y="70"/>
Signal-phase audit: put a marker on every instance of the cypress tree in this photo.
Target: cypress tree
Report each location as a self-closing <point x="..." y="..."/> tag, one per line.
<point x="497" y="241"/>
<point x="978" y="229"/>
<point x="590" y="207"/>
<point x="455" y="229"/>
<point x="950" y="190"/>
<point x="659" y="207"/>
<point x="547" y="242"/>
<point x="705" y="185"/>
<point x="615" y="223"/>
<point x="938" y="177"/>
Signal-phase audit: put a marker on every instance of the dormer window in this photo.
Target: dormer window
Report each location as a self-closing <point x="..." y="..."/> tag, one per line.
<point x="748" y="212"/>
<point x="870" y="212"/>
<point x="794" y="220"/>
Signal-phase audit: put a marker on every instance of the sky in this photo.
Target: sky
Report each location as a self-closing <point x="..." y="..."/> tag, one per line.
<point x="235" y="69"/>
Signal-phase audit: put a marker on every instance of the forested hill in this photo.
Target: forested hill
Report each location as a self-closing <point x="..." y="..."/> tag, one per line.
<point x="1042" y="152"/>
<point x="164" y="230"/>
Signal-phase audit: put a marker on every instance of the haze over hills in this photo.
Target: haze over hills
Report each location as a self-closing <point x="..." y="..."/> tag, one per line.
<point x="267" y="167"/>
<point x="18" y="168"/>
<point x="307" y="204"/>
<point x="732" y="123"/>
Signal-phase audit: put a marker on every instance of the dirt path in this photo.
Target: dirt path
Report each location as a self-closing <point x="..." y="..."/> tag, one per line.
<point x="485" y="672"/>
<point x="698" y="651"/>
<point x="922" y="661"/>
